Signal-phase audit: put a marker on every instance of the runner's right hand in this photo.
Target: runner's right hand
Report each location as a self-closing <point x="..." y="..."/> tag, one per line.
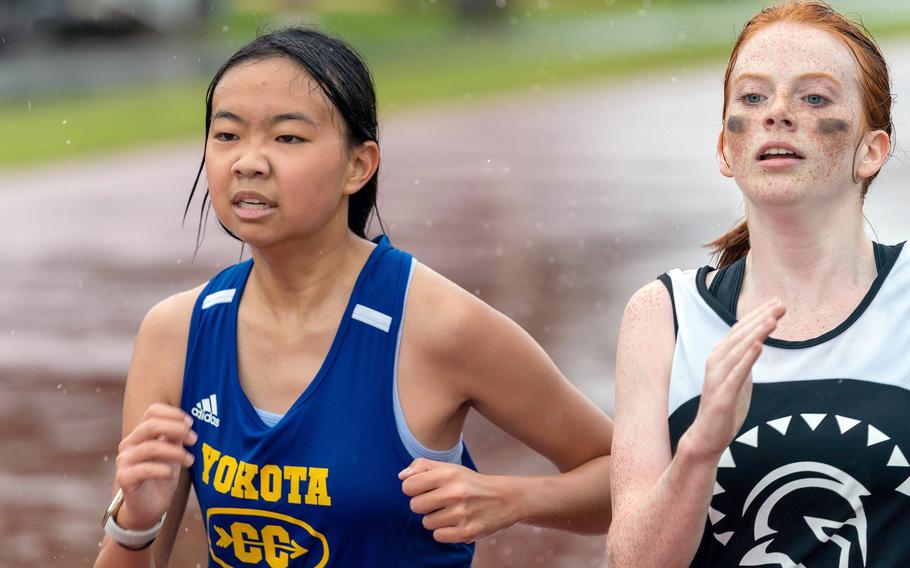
<point x="727" y="390"/>
<point x="149" y="462"/>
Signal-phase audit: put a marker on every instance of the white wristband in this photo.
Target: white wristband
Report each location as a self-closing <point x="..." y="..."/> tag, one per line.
<point x="135" y="540"/>
<point x="132" y="538"/>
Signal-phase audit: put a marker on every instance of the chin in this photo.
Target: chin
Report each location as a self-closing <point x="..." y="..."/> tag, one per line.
<point x="775" y="192"/>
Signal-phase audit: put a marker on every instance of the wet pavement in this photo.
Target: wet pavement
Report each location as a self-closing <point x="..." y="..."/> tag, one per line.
<point x="553" y="206"/>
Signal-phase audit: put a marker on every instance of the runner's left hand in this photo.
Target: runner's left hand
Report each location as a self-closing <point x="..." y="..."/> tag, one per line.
<point x="458" y="504"/>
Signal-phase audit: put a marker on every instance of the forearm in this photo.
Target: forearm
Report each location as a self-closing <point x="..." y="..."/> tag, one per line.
<point x="113" y="555"/>
<point x="665" y="526"/>
<point x="576" y="501"/>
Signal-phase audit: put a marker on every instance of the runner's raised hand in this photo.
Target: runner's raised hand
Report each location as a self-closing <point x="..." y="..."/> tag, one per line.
<point x="149" y="462"/>
<point x="727" y="390"/>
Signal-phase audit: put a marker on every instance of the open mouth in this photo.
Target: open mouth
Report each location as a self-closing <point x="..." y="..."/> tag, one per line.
<point x="253" y="204"/>
<point x="779" y="153"/>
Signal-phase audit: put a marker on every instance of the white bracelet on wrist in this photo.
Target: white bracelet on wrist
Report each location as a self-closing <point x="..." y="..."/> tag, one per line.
<point x="129" y="538"/>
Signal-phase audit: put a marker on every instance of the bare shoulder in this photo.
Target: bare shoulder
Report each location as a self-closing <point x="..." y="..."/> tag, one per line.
<point x="650" y="304"/>
<point x="647" y="337"/>
<point x="445" y="318"/>
<point x="171" y="316"/>
<point x="156" y="367"/>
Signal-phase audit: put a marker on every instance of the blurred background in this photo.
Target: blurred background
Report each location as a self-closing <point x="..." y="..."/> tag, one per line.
<point x="550" y="156"/>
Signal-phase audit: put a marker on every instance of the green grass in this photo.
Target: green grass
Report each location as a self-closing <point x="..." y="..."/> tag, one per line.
<point x="419" y="56"/>
<point x="59" y="129"/>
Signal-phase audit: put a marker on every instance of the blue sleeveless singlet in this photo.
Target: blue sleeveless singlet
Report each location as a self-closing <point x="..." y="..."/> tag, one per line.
<point x="321" y="487"/>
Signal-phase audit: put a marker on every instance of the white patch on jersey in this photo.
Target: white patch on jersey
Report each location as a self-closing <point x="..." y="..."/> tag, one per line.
<point x="219" y="297"/>
<point x="372" y="317"/>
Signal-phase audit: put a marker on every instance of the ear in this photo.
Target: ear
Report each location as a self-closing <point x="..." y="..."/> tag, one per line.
<point x="722" y="164"/>
<point x="872" y="154"/>
<point x="364" y="160"/>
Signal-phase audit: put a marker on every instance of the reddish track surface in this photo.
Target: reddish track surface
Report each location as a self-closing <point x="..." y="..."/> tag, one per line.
<point x="552" y="207"/>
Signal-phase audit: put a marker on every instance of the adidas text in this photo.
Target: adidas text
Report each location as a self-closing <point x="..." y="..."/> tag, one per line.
<point x="207" y="410"/>
<point x="206" y="416"/>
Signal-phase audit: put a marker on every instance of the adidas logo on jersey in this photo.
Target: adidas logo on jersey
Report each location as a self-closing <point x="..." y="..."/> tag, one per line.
<point x="207" y="410"/>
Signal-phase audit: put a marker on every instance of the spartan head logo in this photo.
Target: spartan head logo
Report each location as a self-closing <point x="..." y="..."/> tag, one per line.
<point x="803" y="502"/>
<point x="797" y="477"/>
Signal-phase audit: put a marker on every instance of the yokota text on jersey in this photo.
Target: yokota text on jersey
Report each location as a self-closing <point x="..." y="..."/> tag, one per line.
<point x="268" y="482"/>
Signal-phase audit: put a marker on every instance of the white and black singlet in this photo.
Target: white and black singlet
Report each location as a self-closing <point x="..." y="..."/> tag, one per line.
<point x="819" y="474"/>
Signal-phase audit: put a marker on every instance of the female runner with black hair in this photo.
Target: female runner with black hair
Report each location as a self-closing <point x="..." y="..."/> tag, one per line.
<point x="314" y="396"/>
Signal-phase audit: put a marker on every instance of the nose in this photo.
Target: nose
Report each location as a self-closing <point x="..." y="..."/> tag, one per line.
<point x="251" y="164"/>
<point x="779" y="113"/>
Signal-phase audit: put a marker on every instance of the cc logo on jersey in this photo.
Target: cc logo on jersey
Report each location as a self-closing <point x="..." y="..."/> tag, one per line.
<point x="239" y="537"/>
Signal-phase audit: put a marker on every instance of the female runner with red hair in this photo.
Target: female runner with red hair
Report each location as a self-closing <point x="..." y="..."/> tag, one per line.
<point x="745" y="437"/>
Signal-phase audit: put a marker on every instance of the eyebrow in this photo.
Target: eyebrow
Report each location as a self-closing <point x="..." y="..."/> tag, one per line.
<point x="285" y="116"/>
<point x="813" y="75"/>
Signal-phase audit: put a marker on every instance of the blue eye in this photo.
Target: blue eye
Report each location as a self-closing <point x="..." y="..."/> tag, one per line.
<point x="753" y="98"/>
<point x="816" y="100"/>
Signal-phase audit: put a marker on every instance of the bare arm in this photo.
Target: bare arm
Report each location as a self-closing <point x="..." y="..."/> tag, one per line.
<point x="151" y="458"/>
<point x="660" y="503"/>
<point x="480" y="358"/>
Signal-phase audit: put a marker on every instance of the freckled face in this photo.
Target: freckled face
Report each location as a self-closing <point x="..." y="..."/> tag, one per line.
<point x="276" y="156"/>
<point x="794" y="116"/>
